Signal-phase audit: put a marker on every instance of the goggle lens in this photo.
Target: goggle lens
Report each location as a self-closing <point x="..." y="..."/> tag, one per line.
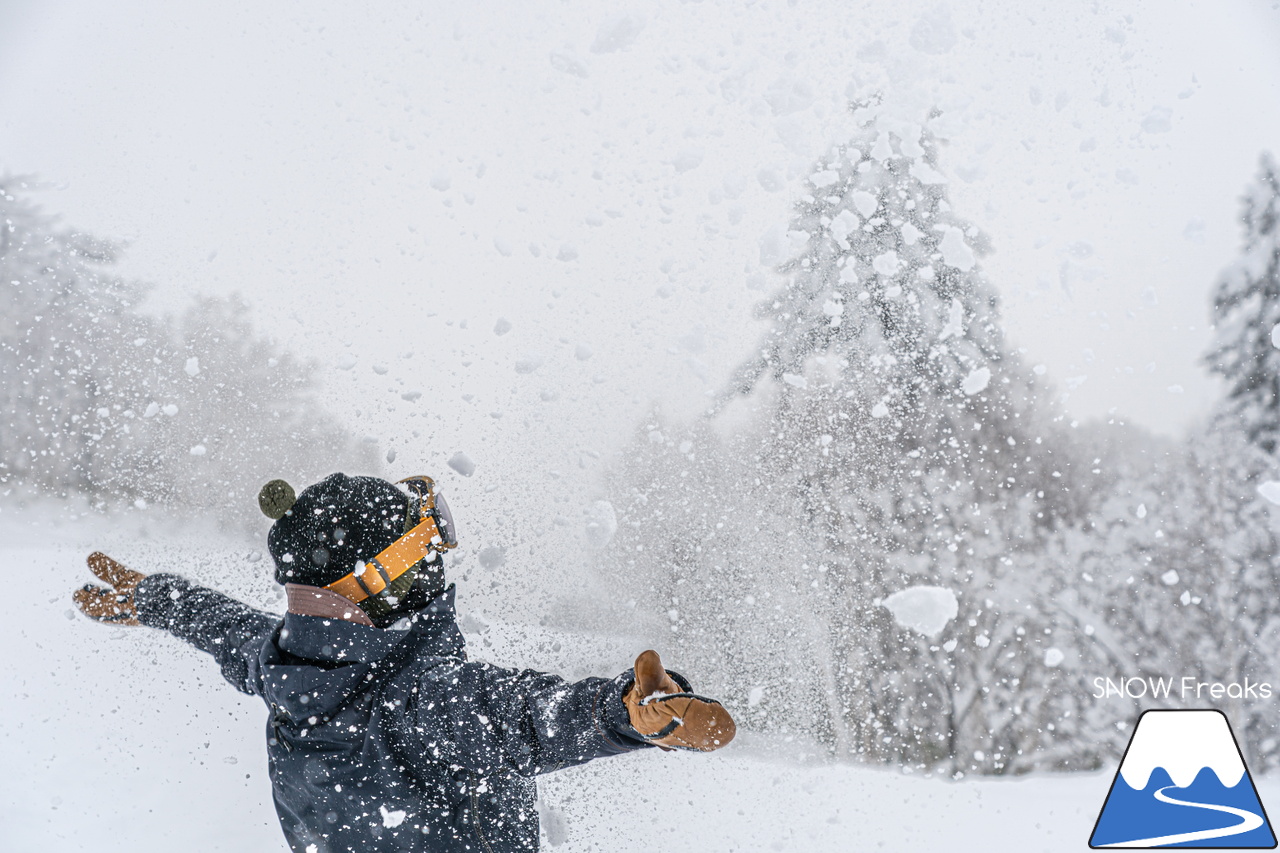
<point x="425" y="488"/>
<point x="444" y="521"/>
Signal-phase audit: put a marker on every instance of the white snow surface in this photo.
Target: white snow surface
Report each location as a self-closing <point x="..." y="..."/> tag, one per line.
<point x="1183" y="743"/>
<point x="125" y="740"/>
<point x="926" y="609"/>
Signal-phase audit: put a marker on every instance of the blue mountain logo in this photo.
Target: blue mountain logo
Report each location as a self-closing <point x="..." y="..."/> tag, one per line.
<point x="1183" y="783"/>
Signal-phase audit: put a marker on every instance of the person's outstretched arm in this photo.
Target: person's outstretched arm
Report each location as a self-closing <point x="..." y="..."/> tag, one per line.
<point x="221" y="626"/>
<point x="488" y="718"/>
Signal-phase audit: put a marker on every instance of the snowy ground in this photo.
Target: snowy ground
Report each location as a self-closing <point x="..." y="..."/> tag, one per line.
<point x="125" y="740"/>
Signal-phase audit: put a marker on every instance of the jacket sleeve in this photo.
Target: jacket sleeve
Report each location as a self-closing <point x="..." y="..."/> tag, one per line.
<point x="490" y="719"/>
<point x="223" y="627"/>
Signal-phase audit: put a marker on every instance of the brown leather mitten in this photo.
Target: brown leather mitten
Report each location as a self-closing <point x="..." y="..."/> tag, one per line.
<point x="671" y="717"/>
<point x="113" y="605"/>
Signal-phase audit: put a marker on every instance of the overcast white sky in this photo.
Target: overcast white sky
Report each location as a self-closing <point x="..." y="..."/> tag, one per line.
<point x="371" y="175"/>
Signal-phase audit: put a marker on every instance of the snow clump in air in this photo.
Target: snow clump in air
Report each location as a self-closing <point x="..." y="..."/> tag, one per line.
<point x="886" y="263"/>
<point x="1159" y="120"/>
<point x="865" y="202"/>
<point x="976" y="381"/>
<point x="569" y="63"/>
<point x="617" y="32"/>
<point x="955" y="322"/>
<point x="933" y="33"/>
<point x="688" y="159"/>
<point x="788" y="95"/>
<point x="1271" y="491"/>
<point x="493" y="556"/>
<point x="462" y="463"/>
<point x="602" y="524"/>
<point x="926" y="609"/>
<point x="955" y="251"/>
<point x="1053" y="657"/>
<point x="528" y="363"/>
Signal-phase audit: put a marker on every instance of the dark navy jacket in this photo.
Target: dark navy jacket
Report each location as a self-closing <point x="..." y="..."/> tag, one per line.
<point x="385" y="740"/>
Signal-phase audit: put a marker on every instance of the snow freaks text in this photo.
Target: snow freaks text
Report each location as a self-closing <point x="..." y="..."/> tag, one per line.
<point x="1186" y="687"/>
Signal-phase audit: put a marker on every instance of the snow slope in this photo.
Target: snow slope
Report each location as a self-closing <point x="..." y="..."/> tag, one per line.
<point x="126" y="740"/>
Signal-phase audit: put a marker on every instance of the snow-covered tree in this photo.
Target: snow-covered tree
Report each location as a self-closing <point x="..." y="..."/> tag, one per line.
<point x="1239" y="579"/>
<point x="894" y="440"/>
<point x="1246" y="312"/>
<point x="910" y="431"/>
<point x="1175" y="554"/>
<point x="104" y="399"/>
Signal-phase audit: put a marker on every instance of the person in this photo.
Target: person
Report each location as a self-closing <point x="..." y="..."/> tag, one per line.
<point x="382" y="735"/>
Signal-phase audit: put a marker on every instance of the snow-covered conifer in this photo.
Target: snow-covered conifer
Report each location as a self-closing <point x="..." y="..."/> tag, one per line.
<point x="1246" y="312"/>
<point x="894" y="439"/>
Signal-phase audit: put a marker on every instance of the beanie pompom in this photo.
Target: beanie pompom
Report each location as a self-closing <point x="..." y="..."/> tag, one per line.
<point x="275" y="499"/>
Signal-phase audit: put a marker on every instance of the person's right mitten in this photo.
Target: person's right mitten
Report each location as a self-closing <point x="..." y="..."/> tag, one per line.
<point x="113" y="605"/>
<point x="673" y="718"/>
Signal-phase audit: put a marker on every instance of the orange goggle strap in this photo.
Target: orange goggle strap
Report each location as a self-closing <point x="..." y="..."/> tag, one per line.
<point x="396" y="559"/>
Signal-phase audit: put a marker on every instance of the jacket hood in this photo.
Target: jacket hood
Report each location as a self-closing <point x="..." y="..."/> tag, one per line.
<point x="313" y="664"/>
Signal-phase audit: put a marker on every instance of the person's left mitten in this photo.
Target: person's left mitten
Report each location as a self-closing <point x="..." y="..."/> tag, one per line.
<point x="671" y="717"/>
<point x="114" y="605"/>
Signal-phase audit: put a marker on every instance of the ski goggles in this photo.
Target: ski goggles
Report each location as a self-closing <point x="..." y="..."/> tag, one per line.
<point x="434" y="533"/>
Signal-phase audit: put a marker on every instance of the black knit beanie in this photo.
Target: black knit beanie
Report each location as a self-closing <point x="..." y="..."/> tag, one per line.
<point x="334" y="524"/>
